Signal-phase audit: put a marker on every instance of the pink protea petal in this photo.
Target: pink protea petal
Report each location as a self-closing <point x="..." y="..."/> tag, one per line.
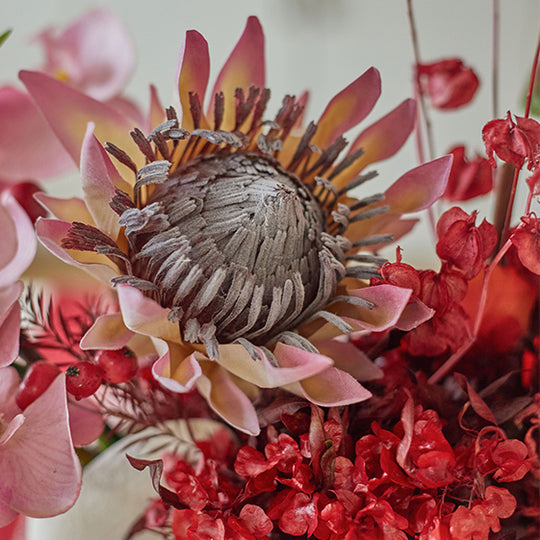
<point x="226" y="399"/>
<point x="298" y="364"/>
<point x="107" y="332"/>
<point x="420" y="187"/>
<point x="414" y="314"/>
<point x="10" y="323"/>
<point x="348" y="108"/>
<point x="184" y="376"/>
<point x="51" y="232"/>
<point x="331" y="388"/>
<point x="26" y="241"/>
<point x="69" y="210"/>
<point x="100" y="179"/>
<point x="192" y="72"/>
<point x="245" y="67"/>
<point x="145" y="316"/>
<point x="86" y="422"/>
<point x="347" y="357"/>
<point x="156" y="114"/>
<point x="94" y="54"/>
<point x="68" y="112"/>
<point x="41" y="474"/>
<point x="24" y="128"/>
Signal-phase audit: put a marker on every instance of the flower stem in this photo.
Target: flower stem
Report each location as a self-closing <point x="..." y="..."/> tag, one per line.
<point x="495" y="60"/>
<point x="531" y="81"/>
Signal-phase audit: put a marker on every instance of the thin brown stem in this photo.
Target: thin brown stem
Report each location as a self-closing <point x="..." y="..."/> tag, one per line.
<point x="532" y="79"/>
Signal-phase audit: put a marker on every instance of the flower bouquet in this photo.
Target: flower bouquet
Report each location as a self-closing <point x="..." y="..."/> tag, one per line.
<point x="226" y="308"/>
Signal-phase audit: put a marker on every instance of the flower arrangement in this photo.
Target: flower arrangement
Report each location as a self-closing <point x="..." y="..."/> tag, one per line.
<point x="221" y="312"/>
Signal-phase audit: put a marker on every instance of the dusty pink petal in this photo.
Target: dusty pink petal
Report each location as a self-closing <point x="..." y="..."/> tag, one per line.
<point x="131" y="110"/>
<point x="26" y="241"/>
<point x="51" y="232"/>
<point x="156" y="114"/>
<point x="27" y="129"/>
<point x="244" y="68"/>
<point x="226" y="399"/>
<point x="86" y="423"/>
<point x="9" y="383"/>
<point x="297" y="364"/>
<point x="10" y="323"/>
<point x="389" y="300"/>
<point x="192" y="73"/>
<point x="41" y="474"/>
<point x="8" y="247"/>
<point x="100" y="179"/>
<point x="414" y="314"/>
<point x="9" y="431"/>
<point x="349" y="358"/>
<point x="107" y="332"/>
<point x="420" y="187"/>
<point x="185" y="375"/>
<point x="145" y="316"/>
<point x="73" y="209"/>
<point x="331" y="388"/>
<point x="11" y="528"/>
<point x="348" y="108"/>
<point x="95" y="54"/>
<point x="68" y="112"/>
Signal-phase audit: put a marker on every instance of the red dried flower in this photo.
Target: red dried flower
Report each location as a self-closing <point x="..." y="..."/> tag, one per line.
<point x="467" y="179"/>
<point x="526" y="239"/>
<point x="513" y="142"/>
<point x="449" y="83"/>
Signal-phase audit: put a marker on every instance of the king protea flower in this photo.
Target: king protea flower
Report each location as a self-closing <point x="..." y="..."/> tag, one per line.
<point x="235" y="240"/>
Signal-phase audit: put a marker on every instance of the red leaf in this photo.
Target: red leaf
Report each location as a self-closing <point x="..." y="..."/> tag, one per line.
<point x="477" y="403"/>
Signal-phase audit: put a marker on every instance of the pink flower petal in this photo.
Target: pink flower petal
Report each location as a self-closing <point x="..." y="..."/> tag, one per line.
<point x="420" y="187"/>
<point x="348" y="108"/>
<point x="244" y="68"/>
<point x="100" y="179"/>
<point x="297" y="364"/>
<point x="156" y="114"/>
<point x="145" y="316"/>
<point x="27" y="129"/>
<point x="68" y="112"/>
<point x="414" y="314"/>
<point x="51" y="232"/>
<point x="16" y="528"/>
<point x="184" y="376"/>
<point x="192" y="72"/>
<point x="9" y="383"/>
<point x="226" y="399"/>
<point x="8" y="247"/>
<point x="13" y="426"/>
<point x="41" y="474"/>
<point x="26" y="241"/>
<point x="95" y="54"/>
<point x="107" y="332"/>
<point x="69" y="210"/>
<point x="86" y="423"/>
<point x="10" y="323"/>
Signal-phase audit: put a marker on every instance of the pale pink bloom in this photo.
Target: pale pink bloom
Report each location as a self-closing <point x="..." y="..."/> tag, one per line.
<point x="40" y="471"/>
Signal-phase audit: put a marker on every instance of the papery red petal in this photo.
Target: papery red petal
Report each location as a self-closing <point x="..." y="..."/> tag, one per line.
<point x="256" y="520"/>
<point x="251" y="462"/>
<point x="527" y="242"/>
<point x="510" y="456"/>
<point x="499" y="501"/>
<point x="467" y="524"/>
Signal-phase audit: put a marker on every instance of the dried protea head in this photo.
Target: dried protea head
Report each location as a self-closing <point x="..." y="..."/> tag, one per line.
<point x="238" y="245"/>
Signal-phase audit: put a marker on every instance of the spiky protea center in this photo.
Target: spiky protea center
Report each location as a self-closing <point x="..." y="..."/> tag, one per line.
<point x="236" y="248"/>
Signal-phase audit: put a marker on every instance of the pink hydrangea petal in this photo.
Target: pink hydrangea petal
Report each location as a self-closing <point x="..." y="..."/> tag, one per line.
<point x="10" y="323"/>
<point x="145" y="316"/>
<point x="107" y="332"/>
<point x="100" y="179"/>
<point x="192" y="72"/>
<point x="51" y="232"/>
<point x="226" y="399"/>
<point x="68" y="112"/>
<point x="420" y="187"/>
<point x="347" y="357"/>
<point x="86" y="423"/>
<point x="95" y="54"/>
<point x="184" y="376"/>
<point x="27" y="129"/>
<point x="41" y="474"/>
<point x="245" y="67"/>
<point x="297" y="364"/>
<point x="26" y="241"/>
<point x="348" y="108"/>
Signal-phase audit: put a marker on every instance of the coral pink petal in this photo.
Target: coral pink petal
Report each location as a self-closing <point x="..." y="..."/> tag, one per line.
<point x="244" y="68"/>
<point x="414" y="314"/>
<point x="332" y="388"/>
<point x="41" y="474"/>
<point x="192" y="73"/>
<point x="347" y="357"/>
<point x="12" y="524"/>
<point x="86" y="423"/>
<point x="10" y="323"/>
<point x="68" y="112"/>
<point x="25" y="237"/>
<point x="27" y="130"/>
<point x="184" y="377"/>
<point x="226" y="399"/>
<point x="420" y="187"/>
<point x="100" y="179"/>
<point x="389" y="300"/>
<point x="297" y="364"/>
<point x="348" y="108"/>
<point x="145" y="316"/>
<point x="107" y="332"/>
<point x="51" y="233"/>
